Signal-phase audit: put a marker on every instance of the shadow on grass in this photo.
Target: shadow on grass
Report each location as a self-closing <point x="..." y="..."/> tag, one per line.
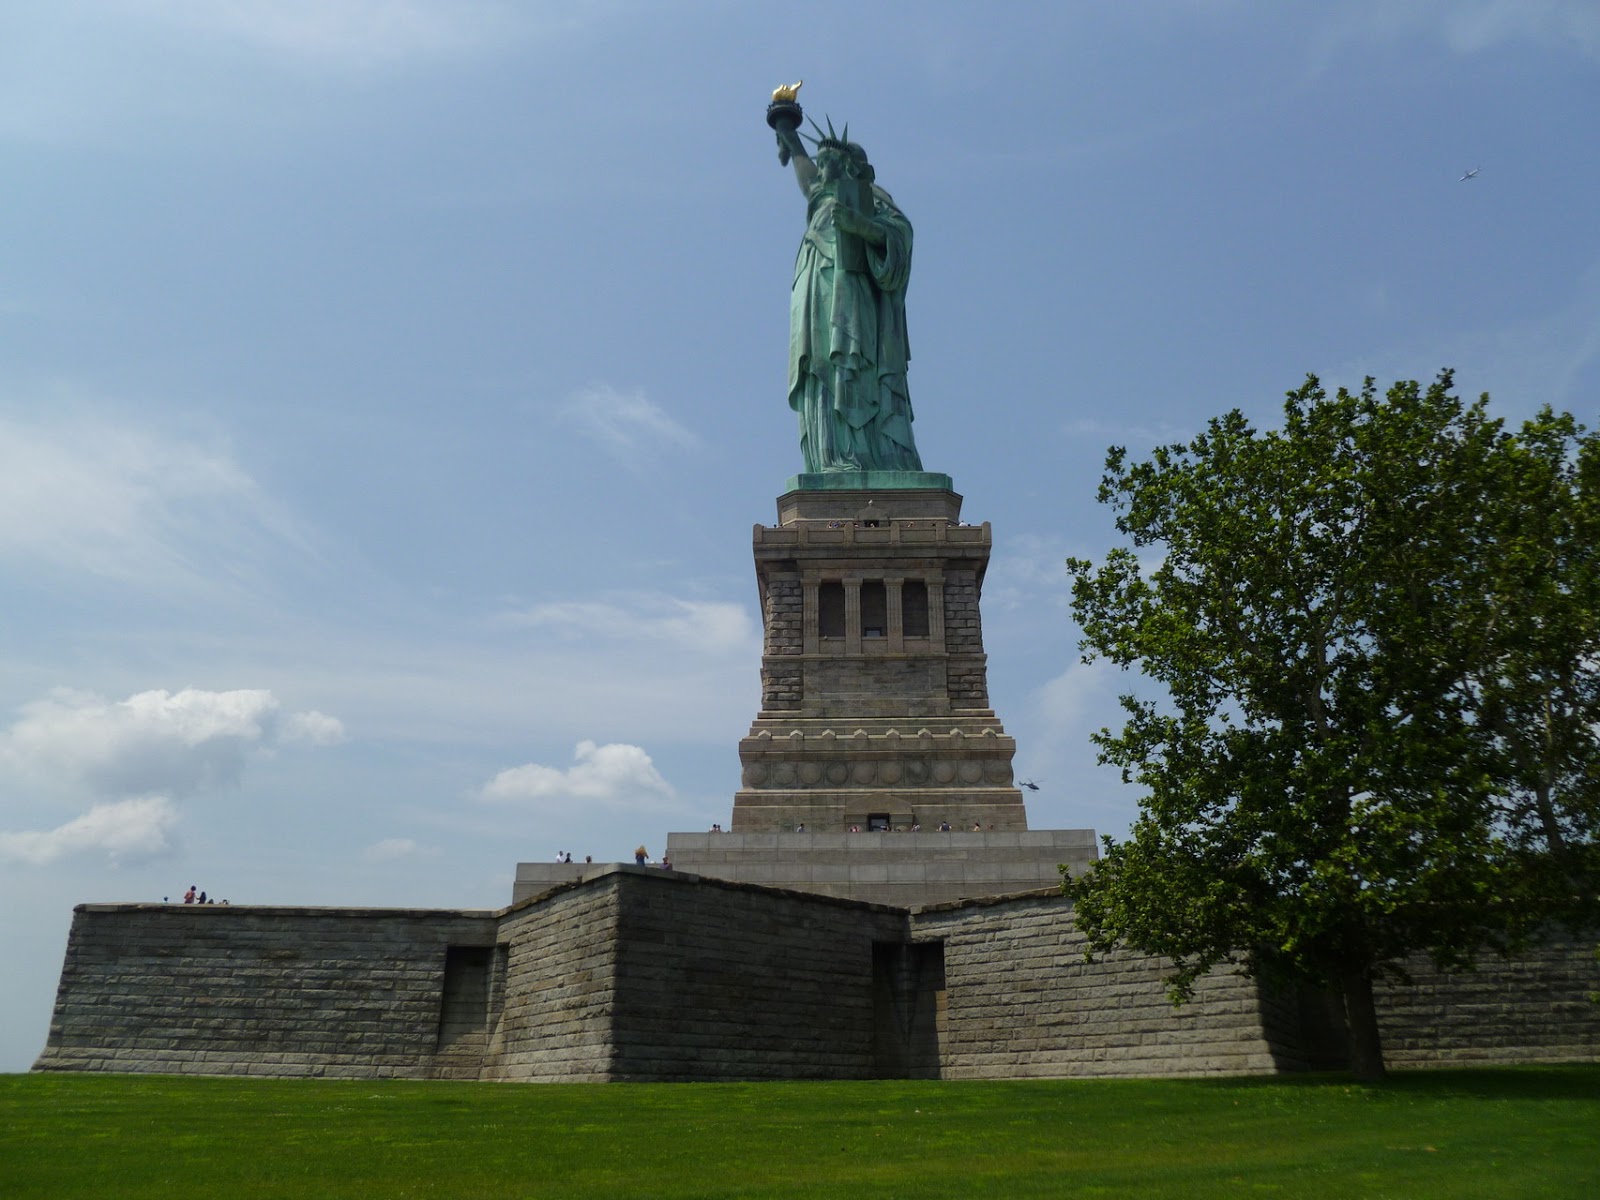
<point x="1558" y="1081"/>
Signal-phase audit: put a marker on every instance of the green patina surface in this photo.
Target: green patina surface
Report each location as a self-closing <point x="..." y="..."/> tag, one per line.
<point x="869" y="481"/>
<point x="848" y="345"/>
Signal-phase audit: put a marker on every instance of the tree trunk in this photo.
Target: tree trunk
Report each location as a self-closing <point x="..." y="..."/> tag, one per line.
<point x="1361" y="1019"/>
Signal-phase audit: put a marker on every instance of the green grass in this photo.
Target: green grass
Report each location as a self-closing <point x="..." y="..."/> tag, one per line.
<point x="1518" y="1132"/>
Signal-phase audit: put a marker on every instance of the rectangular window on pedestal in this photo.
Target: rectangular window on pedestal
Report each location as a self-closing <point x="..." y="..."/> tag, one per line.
<point x="914" y="608"/>
<point x="874" y="609"/>
<point x="830" y="609"/>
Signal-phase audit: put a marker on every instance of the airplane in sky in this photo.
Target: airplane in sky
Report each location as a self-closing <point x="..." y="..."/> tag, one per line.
<point x="1472" y="174"/>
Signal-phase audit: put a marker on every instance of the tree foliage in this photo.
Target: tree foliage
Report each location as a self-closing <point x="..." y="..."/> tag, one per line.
<point x="1377" y="634"/>
<point x="1540" y="692"/>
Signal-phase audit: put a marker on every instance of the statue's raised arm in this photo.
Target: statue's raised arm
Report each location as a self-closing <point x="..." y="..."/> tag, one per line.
<point x="848" y="347"/>
<point x="784" y="114"/>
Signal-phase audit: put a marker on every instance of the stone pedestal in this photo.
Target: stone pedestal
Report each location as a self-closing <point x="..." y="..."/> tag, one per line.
<point x="902" y="869"/>
<point x="874" y="699"/>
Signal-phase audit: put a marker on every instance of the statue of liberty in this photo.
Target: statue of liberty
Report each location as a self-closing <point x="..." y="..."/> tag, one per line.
<point x="848" y="347"/>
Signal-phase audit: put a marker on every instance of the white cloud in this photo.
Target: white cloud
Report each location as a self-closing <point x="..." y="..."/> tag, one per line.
<point x="354" y="32"/>
<point x="135" y="508"/>
<point x="1551" y="357"/>
<point x="1028" y="569"/>
<point x="394" y="849"/>
<point x="1082" y="699"/>
<point x="115" y="70"/>
<point x="1565" y="24"/>
<point x="629" y="425"/>
<point x="174" y="743"/>
<point x="1054" y="731"/>
<point x="1470" y="26"/>
<point x="1134" y="435"/>
<point x="615" y="774"/>
<point x="700" y="626"/>
<point x="124" y="829"/>
<point x="314" y="728"/>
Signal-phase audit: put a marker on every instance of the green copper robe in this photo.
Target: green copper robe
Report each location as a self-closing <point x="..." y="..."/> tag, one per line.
<point x="848" y="347"/>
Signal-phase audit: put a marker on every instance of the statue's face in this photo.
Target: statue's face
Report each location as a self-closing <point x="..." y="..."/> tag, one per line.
<point x="830" y="165"/>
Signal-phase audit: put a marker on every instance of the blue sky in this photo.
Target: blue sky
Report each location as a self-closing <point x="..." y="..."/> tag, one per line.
<point x="387" y="390"/>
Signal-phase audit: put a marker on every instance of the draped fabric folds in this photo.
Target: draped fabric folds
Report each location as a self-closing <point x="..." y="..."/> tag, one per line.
<point x="848" y="347"/>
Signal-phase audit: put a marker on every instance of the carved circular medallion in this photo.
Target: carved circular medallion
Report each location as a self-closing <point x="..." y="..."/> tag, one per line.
<point x="916" y="771"/>
<point x="838" y="773"/>
<point x="810" y="772"/>
<point x="864" y="772"/>
<point x="755" y="774"/>
<point x="889" y="772"/>
<point x="783" y="774"/>
<point x="944" y="772"/>
<point x="999" y="773"/>
<point x="971" y="772"/>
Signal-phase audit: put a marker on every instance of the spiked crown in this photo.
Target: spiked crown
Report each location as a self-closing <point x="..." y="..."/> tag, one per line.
<point x="840" y="142"/>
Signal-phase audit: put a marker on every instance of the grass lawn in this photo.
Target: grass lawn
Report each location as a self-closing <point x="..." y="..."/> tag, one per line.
<point x="1517" y="1132"/>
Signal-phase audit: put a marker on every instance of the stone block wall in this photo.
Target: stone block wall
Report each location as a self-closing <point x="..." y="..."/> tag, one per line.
<point x="846" y="691"/>
<point x="903" y="869"/>
<point x="963" y="628"/>
<point x="782" y="683"/>
<point x="213" y="990"/>
<point x="1535" y="1007"/>
<point x="782" y="687"/>
<point x="719" y="981"/>
<point x="561" y="955"/>
<point x="967" y="673"/>
<point x="784" y="614"/>
<point x="1021" y="1001"/>
<point x="641" y="974"/>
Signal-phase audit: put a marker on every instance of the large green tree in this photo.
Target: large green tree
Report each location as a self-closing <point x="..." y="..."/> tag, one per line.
<point x="1374" y="636"/>
<point x="1539" y="693"/>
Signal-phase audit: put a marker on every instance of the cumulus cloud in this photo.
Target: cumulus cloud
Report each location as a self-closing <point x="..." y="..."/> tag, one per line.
<point x="627" y="424"/>
<point x="615" y="774"/>
<point x="701" y="626"/>
<point x="124" y="830"/>
<point x="133" y="507"/>
<point x="143" y="750"/>
<point x="172" y="743"/>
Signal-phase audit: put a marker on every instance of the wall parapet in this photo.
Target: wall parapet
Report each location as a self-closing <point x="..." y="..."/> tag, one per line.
<point x="639" y="973"/>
